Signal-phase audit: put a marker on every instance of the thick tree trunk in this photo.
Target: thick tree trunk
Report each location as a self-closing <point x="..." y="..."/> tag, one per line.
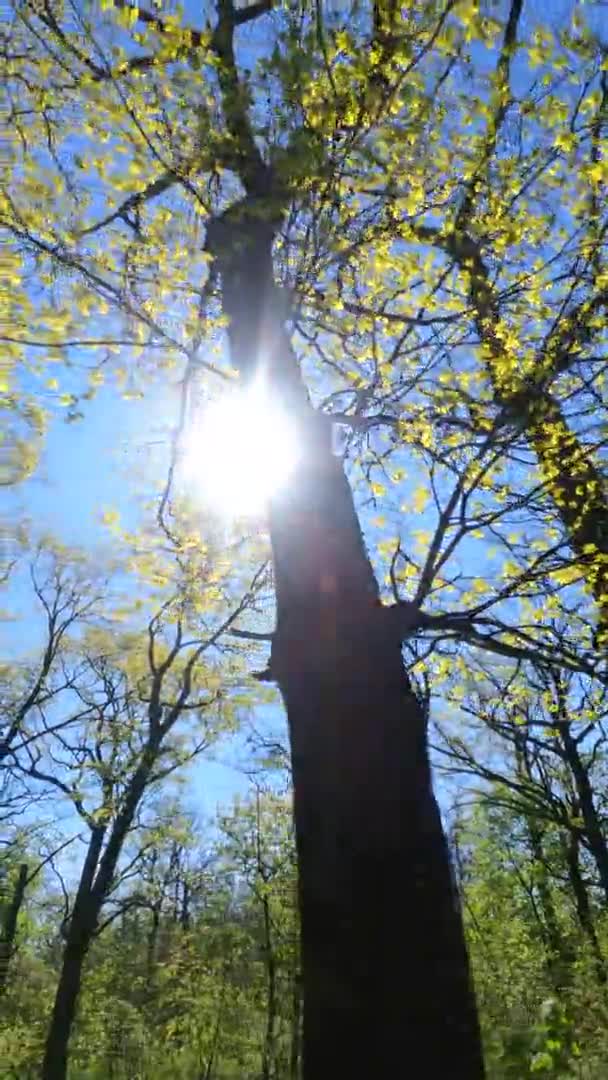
<point x="384" y="966"/>
<point x="8" y="930"/>
<point x="80" y="934"/>
<point x="383" y="957"/>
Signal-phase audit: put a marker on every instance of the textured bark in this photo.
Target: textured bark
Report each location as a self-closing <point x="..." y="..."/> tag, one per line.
<point x="384" y="965"/>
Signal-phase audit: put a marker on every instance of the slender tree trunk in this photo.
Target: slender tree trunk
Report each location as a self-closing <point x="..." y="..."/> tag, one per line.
<point x="268" y="1050"/>
<point x="573" y="480"/>
<point x="80" y="932"/>
<point x="206" y="1072"/>
<point x="384" y="966"/>
<point x="296" y="1027"/>
<point x="559" y="955"/>
<point x="152" y="945"/>
<point x="8" y="930"/>
<point x="268" y="1055"/>
<point x="582" y="904"/>
<point x="596" y="841"/>
<point x="184" y="915"/>
<point x="95" y="881"/>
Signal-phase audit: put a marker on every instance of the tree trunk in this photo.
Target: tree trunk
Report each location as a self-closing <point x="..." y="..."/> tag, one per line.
<point x="81" y="928"/>
<point x="581" y="901"/>
<point x="384" y="965"/>
<point x="95" y="882"/>
<point x="80" y="934"/>
<point x="596" y="841"/>
<point x="268" y="1053"/>
<point x="9" y="926"/>
<point x="152" y="946"/>
<point x="184" y="915"/>
<point x="296" y="1024"/>
<point x="572" y="479"/>
<point x="268" y="1050"/>
<point x="559" y="954"/>
<point x="383" y="956"/>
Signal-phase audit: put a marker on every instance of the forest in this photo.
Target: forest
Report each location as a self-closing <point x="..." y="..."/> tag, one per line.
<point x="304" y="540"/>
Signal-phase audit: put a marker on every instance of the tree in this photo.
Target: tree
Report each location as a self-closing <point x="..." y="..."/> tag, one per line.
<point x="364" y="806"/>
<point x="259" y="843"/>
<point x="318" y="156"/>
<point x="497" y="249"/>
<point x="538" y="1016"/>
<point x="67" y="593"/>
<point x="12" y="906"/>
<point x="126" y="716"/>
<point x="535" y="741"/>
<point x="205" y="1010"/>
<point x="15" y="878"/>
<point x="552" y="730"/>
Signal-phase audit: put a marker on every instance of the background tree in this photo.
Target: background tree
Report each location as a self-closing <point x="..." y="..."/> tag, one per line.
<point x="125" y="717"/>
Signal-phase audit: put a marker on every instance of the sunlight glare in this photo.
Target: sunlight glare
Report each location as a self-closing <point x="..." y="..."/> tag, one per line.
<point x="242" y="453"/>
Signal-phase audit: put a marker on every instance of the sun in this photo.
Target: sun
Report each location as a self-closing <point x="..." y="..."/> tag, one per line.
<point x="241" y="451"/>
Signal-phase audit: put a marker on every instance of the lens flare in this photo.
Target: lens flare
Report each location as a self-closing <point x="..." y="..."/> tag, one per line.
<point x="242" y="451"/>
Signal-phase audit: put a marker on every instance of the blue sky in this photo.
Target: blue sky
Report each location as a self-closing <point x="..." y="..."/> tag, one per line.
<point x="85" y="469"/>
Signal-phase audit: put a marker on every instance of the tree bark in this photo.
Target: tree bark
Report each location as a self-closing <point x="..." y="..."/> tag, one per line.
<point x="9" y="926"/>
<point x="80" y="934"/>
<point x="581" y="901"/>
<point x="81" y="928"/>
<point x="559" y="954"/>
<point x="268" y="1052"/>
<point x="384" y="964"/>
<point x="152" y="945"/>
<point x="95" y="882"/>
<point x="593" y="832"/>
<point x="269" y="1049"/>
<point x="296" y="1024"/>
